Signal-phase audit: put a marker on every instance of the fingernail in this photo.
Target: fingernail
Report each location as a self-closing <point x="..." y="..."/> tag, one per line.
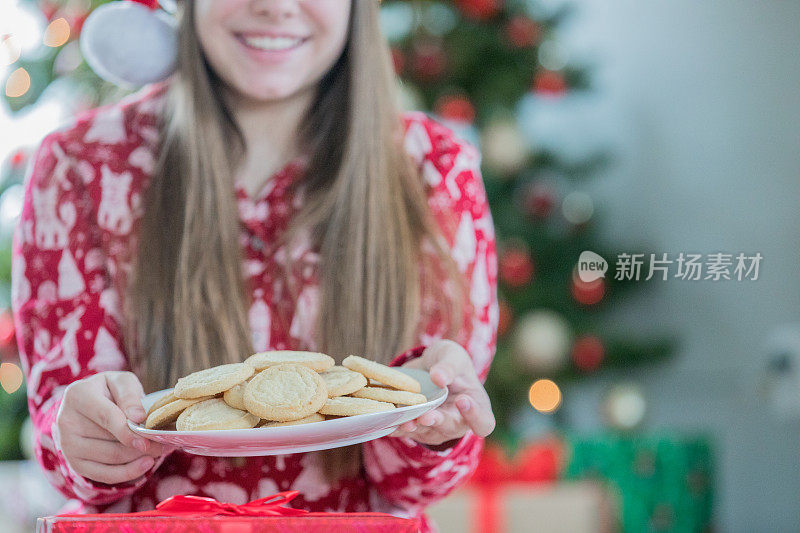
<point x="426" y="421"/>
<point x="464" y="404"/>
<point x="140" y="445"/>
<point x="147" y="463"/>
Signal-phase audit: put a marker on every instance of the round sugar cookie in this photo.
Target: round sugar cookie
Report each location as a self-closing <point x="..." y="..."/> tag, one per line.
<point x="235" y="396"/>
<point x="316" y="417"/>
<point x="167" y="413"/>
<point x="382" y="394"/>
<point x="341" y="381"/>
<point x="163" y="400"/>
<point x="319" y="362"/>
<point x="382" y="373"/>
<point x="212" y="381"/>
<point x="214" y="414"/>
<point x="284" y="393"/>
<point x="349" y="406"/>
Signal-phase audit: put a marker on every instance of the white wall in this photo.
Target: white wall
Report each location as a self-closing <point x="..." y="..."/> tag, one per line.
<point x="706" y="96"/>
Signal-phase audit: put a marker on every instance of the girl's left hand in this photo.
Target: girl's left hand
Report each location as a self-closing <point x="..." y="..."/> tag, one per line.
<point x="467" y="406"/>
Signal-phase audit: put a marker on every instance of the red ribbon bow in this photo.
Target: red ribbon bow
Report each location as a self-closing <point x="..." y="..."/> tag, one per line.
<point x="201" y="506"/>
<point x="537" y="463"/>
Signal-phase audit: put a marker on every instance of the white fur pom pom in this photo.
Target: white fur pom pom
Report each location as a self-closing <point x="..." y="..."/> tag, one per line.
<point x="129" y="44"/>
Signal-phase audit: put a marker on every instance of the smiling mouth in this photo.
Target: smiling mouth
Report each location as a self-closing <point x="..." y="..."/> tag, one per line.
<point x="271" y="44"/>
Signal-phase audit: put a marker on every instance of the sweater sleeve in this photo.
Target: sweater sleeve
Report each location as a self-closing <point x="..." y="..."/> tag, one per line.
<point x="65" y="307"/>
<point x="407" y="474"/>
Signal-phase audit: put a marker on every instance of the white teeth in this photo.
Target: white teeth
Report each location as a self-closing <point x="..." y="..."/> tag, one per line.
<point x="272" y="43"/>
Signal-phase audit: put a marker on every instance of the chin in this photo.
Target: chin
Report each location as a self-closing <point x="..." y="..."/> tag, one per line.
<point x="268" y="91"/>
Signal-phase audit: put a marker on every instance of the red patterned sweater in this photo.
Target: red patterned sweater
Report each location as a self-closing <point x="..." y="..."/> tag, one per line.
<point x="82" y="199"/>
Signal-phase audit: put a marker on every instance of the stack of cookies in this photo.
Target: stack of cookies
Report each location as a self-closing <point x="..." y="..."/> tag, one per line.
<point x="281" y="388"/>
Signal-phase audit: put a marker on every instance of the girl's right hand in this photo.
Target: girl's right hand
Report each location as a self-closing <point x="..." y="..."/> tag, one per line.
<point x="92" y="428"/>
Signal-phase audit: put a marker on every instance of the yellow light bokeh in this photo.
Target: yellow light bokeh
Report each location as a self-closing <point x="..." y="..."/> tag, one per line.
<point x="10" y="377"/>
<point x="57" y="33"/>
<point x="545" y="396"/>
<point x="9" y="50"/>
<point x="18" y="83"/>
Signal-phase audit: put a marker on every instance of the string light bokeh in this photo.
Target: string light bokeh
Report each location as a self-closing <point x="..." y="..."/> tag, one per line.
<point x="18" y="83"/>
<point x="9" y="50"/>
<point x="28" y="37"/>
<point x="545" y="396"/>
<point x="57" y="33"/>
<point x="10" y="377"/>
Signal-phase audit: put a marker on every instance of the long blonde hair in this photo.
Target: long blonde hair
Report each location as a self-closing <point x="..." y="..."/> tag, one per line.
<point x="364" y="205"/>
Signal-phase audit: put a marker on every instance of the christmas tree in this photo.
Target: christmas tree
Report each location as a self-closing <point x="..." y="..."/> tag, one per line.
<point x="495" y="72"/>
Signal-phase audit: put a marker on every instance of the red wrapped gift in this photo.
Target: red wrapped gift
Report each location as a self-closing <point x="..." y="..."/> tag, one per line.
<point x="207" y="515"/>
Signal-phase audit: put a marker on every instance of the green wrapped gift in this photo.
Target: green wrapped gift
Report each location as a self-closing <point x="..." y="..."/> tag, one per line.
<point x="662" y="482"/>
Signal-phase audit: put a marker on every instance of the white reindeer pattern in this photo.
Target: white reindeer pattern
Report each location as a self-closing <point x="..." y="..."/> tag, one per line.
<point x="114" y="213"/>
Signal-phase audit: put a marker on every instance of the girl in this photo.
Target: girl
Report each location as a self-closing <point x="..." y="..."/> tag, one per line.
<point x="269" y="195"/>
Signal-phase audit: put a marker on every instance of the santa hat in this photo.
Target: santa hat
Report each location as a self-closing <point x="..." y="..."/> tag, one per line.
<point x="131" y="43"/>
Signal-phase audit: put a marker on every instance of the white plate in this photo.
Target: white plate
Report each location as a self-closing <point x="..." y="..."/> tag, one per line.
<point x="281" y="440"/>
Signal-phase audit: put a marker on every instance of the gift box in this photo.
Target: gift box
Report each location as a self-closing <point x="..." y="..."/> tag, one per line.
<point x="664" y="482"/>
<point x="525" y="493"/>
<point x="205" y="515"/>
<point x="545" y="508"/>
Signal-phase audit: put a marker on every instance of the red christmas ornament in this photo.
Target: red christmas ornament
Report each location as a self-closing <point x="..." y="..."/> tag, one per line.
<point x="49" y="10"/>
<point x="540" y="200"/>
<point x="588" y="293"/>
<point x="7" y="330"/>
<point x="506" y="317"/>
<point x="516" y="267"/>
<point x="550" y="83"/>
<point x="455" y="107"/>
<point x="17" y="158"/>
<point x="479" y="9"/>
<point x="523" y="32"/>
<point x="77" y="25"/>
<point x="428" y="61"/>
<point x="399" y="60"/>
<point x="588" y="353"/>
<point x="152" y="4"/>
